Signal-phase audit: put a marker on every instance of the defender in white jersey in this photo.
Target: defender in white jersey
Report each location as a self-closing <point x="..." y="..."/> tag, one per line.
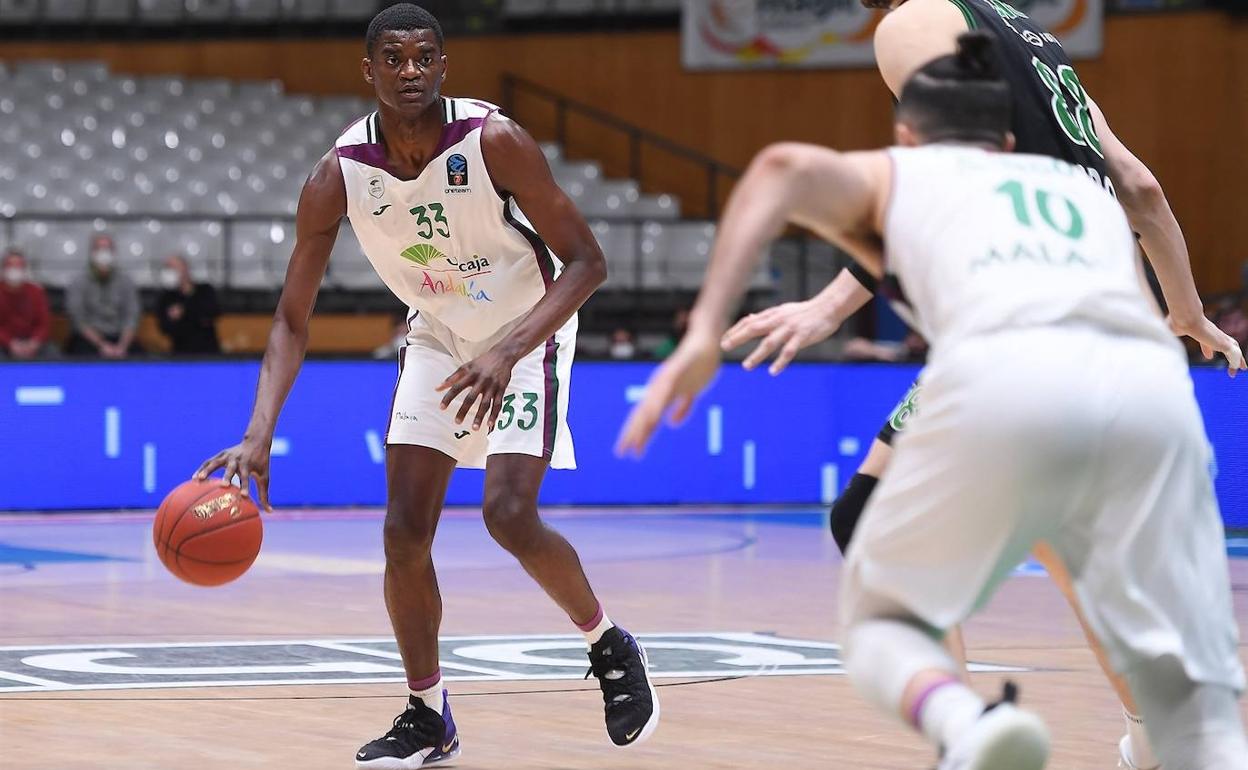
<point x="437" y="191"/>
<point x="1058" y="407"/>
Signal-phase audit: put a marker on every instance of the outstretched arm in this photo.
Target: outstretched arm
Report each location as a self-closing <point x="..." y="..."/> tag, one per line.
<point x="1151" y="218"/>
<point x="906" y="39"/>
<point x="838" y="196"/>
<point x="322" y="205"/>
<point x="519" y="169"/>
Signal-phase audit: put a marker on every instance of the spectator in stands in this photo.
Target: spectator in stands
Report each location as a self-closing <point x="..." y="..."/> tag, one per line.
<point x="622" y="348"/>
<point x="23" y="311"/>
<point x="103" y="306"/>
<point x="187" y="311"/>
<point x="680" y="322"/>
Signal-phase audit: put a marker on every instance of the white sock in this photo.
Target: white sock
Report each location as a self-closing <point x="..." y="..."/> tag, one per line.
<point x="594" y="635"/>
<point x="432" y="696"/>
<point x="948" y="711"/>
<point x="1139" y="749"/>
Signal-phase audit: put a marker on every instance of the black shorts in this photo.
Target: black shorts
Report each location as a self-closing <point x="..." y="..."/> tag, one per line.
<point x="900" y="415"/>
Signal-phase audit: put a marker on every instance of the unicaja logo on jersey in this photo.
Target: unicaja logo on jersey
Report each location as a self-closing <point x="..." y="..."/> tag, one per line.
<point x="457" y="171"/>
<point x="422" y="254"/>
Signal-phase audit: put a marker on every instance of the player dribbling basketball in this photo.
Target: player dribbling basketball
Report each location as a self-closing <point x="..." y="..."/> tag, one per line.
<point x="456" y="209"/>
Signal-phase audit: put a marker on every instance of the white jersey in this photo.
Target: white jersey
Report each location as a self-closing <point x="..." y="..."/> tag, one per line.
<point x="445" y="242"/>
<point x="984" y="241"/>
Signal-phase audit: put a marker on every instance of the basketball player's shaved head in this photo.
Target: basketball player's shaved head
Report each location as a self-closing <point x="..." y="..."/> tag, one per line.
<point x="403" y="17"/>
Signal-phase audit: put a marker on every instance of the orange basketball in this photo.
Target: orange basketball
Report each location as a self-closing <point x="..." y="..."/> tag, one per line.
<point x="207" y="534"/>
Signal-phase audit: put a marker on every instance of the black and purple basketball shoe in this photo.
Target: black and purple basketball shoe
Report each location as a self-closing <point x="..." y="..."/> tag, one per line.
<point x="420" y="737"/>
<point x="629" y="699"/>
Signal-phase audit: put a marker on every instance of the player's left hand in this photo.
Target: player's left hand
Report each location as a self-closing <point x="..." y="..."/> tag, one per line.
<point x="1212" y="340"/>
<point x="674" y="385"/>
<point x="485" y="379"/>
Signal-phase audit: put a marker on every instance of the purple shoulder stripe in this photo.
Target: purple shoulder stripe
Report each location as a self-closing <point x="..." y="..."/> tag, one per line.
<point x="453" y="133"/>
<point x="369" y="154"/>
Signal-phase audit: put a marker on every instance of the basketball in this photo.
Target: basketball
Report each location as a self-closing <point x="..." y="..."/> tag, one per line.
<point x="207" y="534"/>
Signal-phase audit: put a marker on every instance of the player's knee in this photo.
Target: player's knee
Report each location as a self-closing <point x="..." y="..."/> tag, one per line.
<point x="848" y="508"/>
<point x="408" y="537"/>
<point x="512" y="522"/>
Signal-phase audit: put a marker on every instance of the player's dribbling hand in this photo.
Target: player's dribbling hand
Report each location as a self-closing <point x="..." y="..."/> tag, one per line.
<point x="245" y="461"/>
<point x="1212" y="340"/>
<point x="485" y="379"/>
<point x="674" y="386"/>
<point x="787" y="328"/>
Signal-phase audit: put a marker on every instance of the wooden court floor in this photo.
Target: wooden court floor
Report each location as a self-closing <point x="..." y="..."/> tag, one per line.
<point x="740" y="608"/>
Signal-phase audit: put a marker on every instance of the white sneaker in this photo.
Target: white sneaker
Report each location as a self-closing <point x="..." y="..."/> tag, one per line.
<point x="1124" y="756"/>
<point x="1004" y="738"/>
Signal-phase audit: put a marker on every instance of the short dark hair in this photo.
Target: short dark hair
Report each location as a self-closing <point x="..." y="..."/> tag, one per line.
<point x="403" y="17"/>
<point x="960" y="97"/>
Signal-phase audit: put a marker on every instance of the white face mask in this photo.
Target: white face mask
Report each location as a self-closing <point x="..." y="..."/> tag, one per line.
<point x="622" y="350"/>
<point x="102" y="258"/>
<point x="170" y="278"/>
<point x="15" y="276"/>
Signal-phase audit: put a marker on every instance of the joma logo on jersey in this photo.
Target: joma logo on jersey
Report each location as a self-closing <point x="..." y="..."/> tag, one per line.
<point x="457" y="171"/>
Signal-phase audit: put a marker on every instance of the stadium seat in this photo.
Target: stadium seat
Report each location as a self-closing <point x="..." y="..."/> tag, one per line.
<point x="619" y="245"/>
<point x="305" y="10"/>
<point x="18" y="11"/>
<point x="657" y="207"/>
<point x="65" y="10"/>
<point x="160" y="11"/>
<point x="208" y="10"/>
<point x="111" y="10"/>
<point x="358" y="10"/>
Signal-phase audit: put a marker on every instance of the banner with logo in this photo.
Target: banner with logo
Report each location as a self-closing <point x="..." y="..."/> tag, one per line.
<point x="763" y="34"/>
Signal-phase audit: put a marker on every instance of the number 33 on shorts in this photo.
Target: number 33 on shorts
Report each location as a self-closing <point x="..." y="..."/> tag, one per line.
<point x="523" y="416"/>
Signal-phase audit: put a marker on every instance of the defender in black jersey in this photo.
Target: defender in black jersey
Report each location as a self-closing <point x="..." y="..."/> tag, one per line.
<point x="1053" y="115"/>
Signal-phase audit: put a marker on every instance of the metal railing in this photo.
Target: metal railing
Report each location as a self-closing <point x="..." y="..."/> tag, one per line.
<point x="639" y="139"/>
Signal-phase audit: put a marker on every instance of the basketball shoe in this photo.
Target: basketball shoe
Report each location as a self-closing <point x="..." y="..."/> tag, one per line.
<point x="630" y="702"/>
<point x="1125" y="760"/>
<point x="1004" y="736"/>
<point x="420" y="737"/>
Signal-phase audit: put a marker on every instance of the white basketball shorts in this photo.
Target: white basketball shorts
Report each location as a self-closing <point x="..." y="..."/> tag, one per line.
<point x="534" y="415"/>
<point x="1089" y="441"/>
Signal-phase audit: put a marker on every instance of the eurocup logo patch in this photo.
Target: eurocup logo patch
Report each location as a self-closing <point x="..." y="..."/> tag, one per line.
<point x="457" y="171"/>
<point x="376" y="187"/>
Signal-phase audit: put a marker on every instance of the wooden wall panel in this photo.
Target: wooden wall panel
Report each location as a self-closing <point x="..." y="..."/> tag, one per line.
<point x="1175" y="87"/>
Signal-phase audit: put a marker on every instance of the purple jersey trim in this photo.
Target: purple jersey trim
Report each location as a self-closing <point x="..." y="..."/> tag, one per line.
<point x="374" y="154"/>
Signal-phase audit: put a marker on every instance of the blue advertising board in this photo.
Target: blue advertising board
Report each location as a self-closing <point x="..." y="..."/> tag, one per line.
<point x="120" y="435"/>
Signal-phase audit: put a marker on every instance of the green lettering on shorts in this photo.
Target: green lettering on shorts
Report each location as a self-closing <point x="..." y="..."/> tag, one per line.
<point x="905" y="410"/>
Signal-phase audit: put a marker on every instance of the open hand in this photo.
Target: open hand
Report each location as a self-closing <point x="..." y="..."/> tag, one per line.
<point x="674" y="386"/>
<point x="787" y="328"/>
<point x="245" y="461"/>
<point x="1212" y="340"/>
<point x="484" y="380"/>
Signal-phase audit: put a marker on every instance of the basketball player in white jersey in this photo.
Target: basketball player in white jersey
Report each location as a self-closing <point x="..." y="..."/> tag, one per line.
<point x="913" y="33"/>
<point x="1058" y="407"/>
<point x="456" y="209"/>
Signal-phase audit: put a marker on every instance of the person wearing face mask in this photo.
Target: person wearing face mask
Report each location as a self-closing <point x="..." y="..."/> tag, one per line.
<point x="103" y="306"/>
<point x="622" y="346"/>
<point x="23" y="311"/>
<point x="187" y="311"/>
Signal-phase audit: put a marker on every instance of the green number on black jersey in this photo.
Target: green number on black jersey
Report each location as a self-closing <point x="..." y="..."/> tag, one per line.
<point x="1077" y="125"/>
